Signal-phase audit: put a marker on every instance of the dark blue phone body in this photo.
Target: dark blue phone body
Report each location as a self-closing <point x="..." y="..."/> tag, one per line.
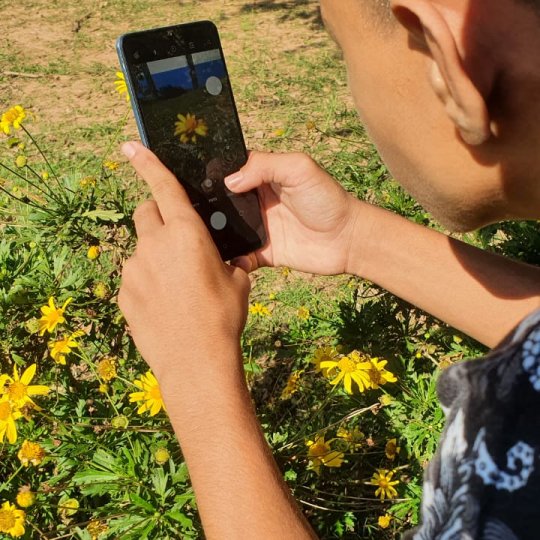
<point x="185" y="112"/>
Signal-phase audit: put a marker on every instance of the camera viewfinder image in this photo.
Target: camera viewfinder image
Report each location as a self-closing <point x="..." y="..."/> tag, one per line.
<point x="188" y="112"/>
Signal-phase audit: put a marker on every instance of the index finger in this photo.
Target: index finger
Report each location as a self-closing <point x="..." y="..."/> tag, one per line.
<point x="169" y="195"/>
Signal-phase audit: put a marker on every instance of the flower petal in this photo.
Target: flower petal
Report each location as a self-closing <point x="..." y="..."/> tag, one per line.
<point x="28" y="374"/>
<point x="38" y="390"/>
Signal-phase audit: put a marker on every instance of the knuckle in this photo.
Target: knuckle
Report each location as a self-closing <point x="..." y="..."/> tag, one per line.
<point x="304" y="162"/>
<point x="254" y="157"/>
<point x="143" y="209"/>
<point x="177" y="221"/>
<point x="128" y="270"/>
<point x="122" y="299"/>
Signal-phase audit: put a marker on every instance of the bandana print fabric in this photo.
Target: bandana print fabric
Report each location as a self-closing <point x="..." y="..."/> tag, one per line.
<point x="484" y="481"/>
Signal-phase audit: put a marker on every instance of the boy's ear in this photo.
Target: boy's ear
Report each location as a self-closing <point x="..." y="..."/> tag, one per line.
<point x="463" y="94"/>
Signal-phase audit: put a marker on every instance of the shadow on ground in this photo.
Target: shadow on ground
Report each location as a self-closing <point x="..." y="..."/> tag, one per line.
<point x="307" y="10"/>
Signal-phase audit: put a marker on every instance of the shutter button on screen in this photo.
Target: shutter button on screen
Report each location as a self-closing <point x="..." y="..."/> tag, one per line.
<point x="218" y="220"/>
<point x="207" y="185"/>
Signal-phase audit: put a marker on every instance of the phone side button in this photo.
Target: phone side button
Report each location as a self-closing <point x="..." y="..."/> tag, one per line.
<point x="218" y="221"/>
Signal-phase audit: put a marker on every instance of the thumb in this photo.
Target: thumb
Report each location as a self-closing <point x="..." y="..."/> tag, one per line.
<point x="248" y="263"/>
<point x="286" y="170"/>
<point x="242" y="279"/>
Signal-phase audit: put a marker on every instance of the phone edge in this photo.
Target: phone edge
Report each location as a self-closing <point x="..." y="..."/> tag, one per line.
<point x="131" y="91"/>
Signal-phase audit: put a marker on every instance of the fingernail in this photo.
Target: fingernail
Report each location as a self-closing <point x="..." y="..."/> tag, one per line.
<point x="234" y="180"/>
<point x="128" y="149"/>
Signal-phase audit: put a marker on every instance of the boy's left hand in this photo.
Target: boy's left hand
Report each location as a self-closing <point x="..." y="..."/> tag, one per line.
<point x="184" y="306"/>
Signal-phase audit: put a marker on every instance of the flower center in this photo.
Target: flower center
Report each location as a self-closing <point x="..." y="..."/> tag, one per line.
<point x="318" y="449"/>
<point x="7" y="520"/>
<point x="155" y="393"/>
<point x="347" y="365"/>
<point x="106" y="370"/>
<point x="33" y="452"/>
<point x="5" y="413"/>
<point x="383" y="483"/>
<point x="54" y="316"/>
<point x="62" y="345"/>
<point x="191" y="124"/>
<point x="375" y="376"/>
<point x="16" y="391"/>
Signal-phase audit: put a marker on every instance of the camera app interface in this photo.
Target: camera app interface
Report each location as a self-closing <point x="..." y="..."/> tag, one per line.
<point x="190" y="119"/>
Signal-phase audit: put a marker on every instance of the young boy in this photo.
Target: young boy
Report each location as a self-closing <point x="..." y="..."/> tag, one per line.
<point x="449" y="92"/>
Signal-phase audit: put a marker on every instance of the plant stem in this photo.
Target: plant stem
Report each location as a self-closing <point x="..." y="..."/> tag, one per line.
<point x="53" y="172"/>
<point x="49" y="190"/>
<point x="25" y="179"/>
<point x="26" y="202"/>
<point x="8" y="481"/>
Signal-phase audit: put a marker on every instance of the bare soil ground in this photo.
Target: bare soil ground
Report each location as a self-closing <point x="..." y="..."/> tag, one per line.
<point x="58" y="59"/>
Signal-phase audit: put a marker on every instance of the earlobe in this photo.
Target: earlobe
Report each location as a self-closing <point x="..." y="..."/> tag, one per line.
<point x="462" y="92"/>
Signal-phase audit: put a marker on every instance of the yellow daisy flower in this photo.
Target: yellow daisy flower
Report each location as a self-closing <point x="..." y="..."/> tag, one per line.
<point x="111" y="165"/>
<point x="101" y="290"/>
<point x="26" y="497"/>
<point x="354" y="437"/>
<point x="11" y="520"/>
<point x="188" y="127"/>
<point x="67" y="507"/>
<point x="21" y="161"/>
<point x="259" y="309"/>
<point x="161" y="456"/>
<point x="384" y="521"/>
<point x="350" y="371"/>
<point x="150" y="394"/>
<point x="382" y="478"/>
<point x="96" y="528"/>
<point x="121" y="85"/>
<point x="31" y="453"/>
<point x="303" y="313"/>
<point x="391" y="449"/>
<point x="8" y="415"/>
<point x="62" y="347"/>
<point x="325" y="354"/>
<point x="88" y="181"/>
<point x="106" y="368"/>
<point x="378" y="374"/>
<point x="93" y="252"/>
<point x="292" y="384"/>
<point x="320" y="453"/>
<point x="12" y="117"/>
<point x="51" y="316"/>
<point x="18" y="390"/>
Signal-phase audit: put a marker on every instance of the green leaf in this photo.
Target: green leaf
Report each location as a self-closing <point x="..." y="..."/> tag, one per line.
<point x="97" y="482"/>
<point x="159" y="480"/>
<point x="290" y="475"/>
<point x="141" y="503"/>
<point x="180" y="518"/>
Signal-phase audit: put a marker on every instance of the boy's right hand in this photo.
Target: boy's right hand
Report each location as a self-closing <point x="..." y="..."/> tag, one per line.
<point x="310" y="219"/>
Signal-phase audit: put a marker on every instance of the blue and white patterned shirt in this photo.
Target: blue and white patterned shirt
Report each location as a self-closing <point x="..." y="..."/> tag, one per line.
<point x="484" y="481"/>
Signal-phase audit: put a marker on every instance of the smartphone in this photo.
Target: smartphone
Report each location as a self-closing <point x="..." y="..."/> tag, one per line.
<point x="185" y="112"/>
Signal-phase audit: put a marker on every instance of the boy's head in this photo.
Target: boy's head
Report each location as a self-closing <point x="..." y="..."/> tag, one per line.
<point x="449" y="91"/>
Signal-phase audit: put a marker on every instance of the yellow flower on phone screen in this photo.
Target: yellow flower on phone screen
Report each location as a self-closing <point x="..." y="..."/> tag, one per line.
<point x="189" y="126"/>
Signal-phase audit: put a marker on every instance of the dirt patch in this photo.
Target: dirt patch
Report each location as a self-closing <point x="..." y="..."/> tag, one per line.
<point x="59" y="61"/>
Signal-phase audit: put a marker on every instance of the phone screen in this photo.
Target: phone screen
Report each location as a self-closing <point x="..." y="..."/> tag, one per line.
<point x="187" y="117"/>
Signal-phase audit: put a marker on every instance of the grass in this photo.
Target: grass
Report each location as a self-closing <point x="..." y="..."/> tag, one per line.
<point x="289" y="84"/>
